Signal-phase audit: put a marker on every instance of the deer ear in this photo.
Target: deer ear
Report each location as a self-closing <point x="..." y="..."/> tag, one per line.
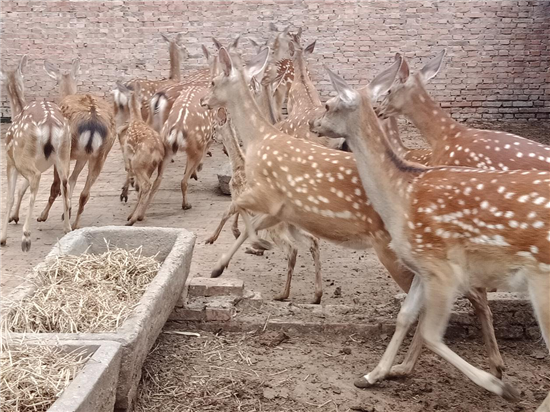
<point x="122" y="87"/>
<point x="205" y="52"/>
<point x="383" y="82"/>
<point x="51" y="70"/>
<point x="299" y="34"/>
<point x="309" y="49"/>
<point x="344" y="90"/>
<point x="286" y="30"/>
<point x="137" y="90"/>
<point x="75" y="67"/>
<point x="22" y="64"/>
<point x="431" y="68"/>
<point x="217" y="43"/>
<point x="257" y="64"/>
<point x="291" y="48"/>
<point x="254" y="43"/>
<point x="235" y="44"/>
<point x="404" y="70"/>
<point x="165" y="37"/>
<point x="225" y="61"/>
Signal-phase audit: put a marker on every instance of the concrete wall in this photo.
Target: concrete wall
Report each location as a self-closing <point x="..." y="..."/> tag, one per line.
<point x="498" y="51"/>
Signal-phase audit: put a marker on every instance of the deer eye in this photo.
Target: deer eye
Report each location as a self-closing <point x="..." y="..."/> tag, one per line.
<point x="212" y="83"/>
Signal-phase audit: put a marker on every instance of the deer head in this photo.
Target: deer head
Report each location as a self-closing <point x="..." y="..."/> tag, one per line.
<point x="66" y="81"/>
<point x="398" y="97"/>
<point x="341" y="118"/>
<point x="281" y="44"/>
<point x="231" y="77"/>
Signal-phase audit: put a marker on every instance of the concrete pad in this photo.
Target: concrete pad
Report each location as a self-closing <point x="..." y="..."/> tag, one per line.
<point x="224" y="177"/>
<point x="215" y="287"/>
<point x="174" y="247"/>
<point x="94" y="388"/>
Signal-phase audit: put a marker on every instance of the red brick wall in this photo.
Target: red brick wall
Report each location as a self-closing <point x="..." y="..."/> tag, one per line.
<point x="498" y="51"/>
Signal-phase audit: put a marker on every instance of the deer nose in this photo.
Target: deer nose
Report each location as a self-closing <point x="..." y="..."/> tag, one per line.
<point x="203" y="102"/>
<point x="311" y="124"/>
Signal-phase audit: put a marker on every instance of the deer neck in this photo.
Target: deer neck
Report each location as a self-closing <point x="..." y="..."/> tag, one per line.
<point x="175" y="63"/>
<point x="303" y="90"/>
<point x="434" y="123"/>
<point x="67" y="88"/>
<point x="384" y="175"/>
<point x="266" y="104"/>
<point x="391" y="130"/>
<point x="134" y="108"/>
<point x="17" y="101"/>
<point x="248" y="119"/>
<point x="231" y="143"/>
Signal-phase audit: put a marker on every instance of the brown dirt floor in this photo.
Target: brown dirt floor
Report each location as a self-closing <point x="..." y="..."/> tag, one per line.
<point x="258" y="372"/>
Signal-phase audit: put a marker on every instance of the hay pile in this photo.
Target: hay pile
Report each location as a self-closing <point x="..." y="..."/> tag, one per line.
<point x="34" y="376"/>
<point x="84" y="293"/>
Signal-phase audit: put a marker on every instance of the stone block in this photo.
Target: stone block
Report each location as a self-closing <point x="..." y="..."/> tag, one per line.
<point x="221" y="286"/>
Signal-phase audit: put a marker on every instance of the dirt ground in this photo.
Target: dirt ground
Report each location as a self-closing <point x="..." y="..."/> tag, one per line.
<point x="358" y="274"/>
<point x="258" y="372"/>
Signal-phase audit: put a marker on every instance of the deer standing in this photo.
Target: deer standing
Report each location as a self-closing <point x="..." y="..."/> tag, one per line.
<point x="150" y="87"/>
<point x="286" y="237"/>
<point x="454" y="227"/>
<point x="143" y="151"/>
<point x="92" y="126"/>
<point x="309" y="186"/>
<point x="37" y="138"/>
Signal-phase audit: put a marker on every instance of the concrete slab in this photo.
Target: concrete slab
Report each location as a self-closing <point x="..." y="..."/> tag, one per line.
<point x="215" y="287"/>
<point x="174" y="247"/>
<point x="94" y="388"/>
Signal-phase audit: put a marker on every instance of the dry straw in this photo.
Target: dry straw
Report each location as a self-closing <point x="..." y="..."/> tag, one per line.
<point x="84" y="293"/>
<point x="33" y="376"/>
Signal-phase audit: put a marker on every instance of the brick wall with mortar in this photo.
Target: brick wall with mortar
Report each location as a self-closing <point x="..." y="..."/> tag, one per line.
<point x="497" y="64"/>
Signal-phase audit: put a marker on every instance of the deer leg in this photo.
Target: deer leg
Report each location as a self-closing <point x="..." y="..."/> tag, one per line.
<point x="304" y="237"/>
<point x="257" y="243"/>
<point x="79" y="165"/>
<point x="94" y="168"/>
<point x="291" y="259"/>
<point x="193" y="161"/>
<point x="154" y="189"/>
<point x="126" y="187"/>
<point x="259" y="222"/>
<point x="34" y="179"/>
<point x="401" y="275"/>
<point x="14" y="217"/>
<point x="411" y="358"/>
<point x="235" y="227"/>
<point x="226" y="215"/>
<point x="439" y="301"/>
<point x="62" y="172"/>
<point x="406" y="317"/>
<point x="144" y="190"/>
<point x="12" y="174"/>
<point x="478" y="298"/>
<point x="55" y="190"/>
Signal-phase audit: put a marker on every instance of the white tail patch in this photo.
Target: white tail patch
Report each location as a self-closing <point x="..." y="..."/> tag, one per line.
<point x="176" y="136"/>
<point x="120" y="98"/>
<point x="84" y="138"/>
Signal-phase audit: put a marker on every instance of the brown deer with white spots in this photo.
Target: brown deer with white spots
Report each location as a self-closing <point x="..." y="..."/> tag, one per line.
<point x="456" y="228"/>
<point x="286" y="237"/>
<point x="92" y="126"/>
<point x="143" y="152"/>
<point x="306" y="185"/>
<point x="37" y="139"/>
<point x="150" y="87"/>
<point x="453" y="143"/>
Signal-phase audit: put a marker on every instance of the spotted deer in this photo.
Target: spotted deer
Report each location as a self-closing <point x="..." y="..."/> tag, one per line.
<point x="143" y="152"/>
<point x="286" y="237"/>
<point x="309" y="186"/>
<point x="453" y="143"/>
<point x="92" y="126"/>
<point x="37" y="138"/>
<point x="454" y="227"/>
<point x="150" y="87"/>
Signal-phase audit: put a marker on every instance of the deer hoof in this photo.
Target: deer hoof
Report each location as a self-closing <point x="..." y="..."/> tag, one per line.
<point x="26" y="245"/>
<point x="255" y="252"/>
<point x="209" y="153"/>
<point x="124" y="198"/>
<point x="216" y="273"/>
<point x="236" y="233"/>
<point x="172" y="161"/>
<point x="209" y="241"/>
<point x="41" y="219"/>
<point x="362" y="383"/>
<point x="14" y="219"/>
<point x="3" y="242"/>
<point x="399" y="371"/>
<point x="130" y="223"/>
<point x="261" y="244"/>
<point x="280" y="297"/>
<point x="316" y="300"/>
<point x="510" y="393"/>
<point x="186" y="206"/>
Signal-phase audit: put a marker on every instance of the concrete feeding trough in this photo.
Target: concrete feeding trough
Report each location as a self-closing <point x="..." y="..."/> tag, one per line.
<point x="93" y="387"/>
<point x="224" y="177"/>
<point x="173" y="247"/>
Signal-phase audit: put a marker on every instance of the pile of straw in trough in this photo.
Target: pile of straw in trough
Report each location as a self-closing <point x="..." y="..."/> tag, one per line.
<point x="34" y="376"/>
<point x="84" y="293"/>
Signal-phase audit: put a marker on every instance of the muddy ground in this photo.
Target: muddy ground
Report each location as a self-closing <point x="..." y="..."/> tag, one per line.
<point x="273" y="372"/>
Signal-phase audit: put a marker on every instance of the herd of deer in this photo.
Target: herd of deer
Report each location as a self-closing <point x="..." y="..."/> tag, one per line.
<point x="468" y="214"/>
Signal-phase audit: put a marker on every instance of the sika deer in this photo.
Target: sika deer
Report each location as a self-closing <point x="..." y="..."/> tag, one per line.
<point x="455" y="227"/>
<point x="150" y="87"/>
<point x="37" y="138"/>
<point x="453" y="143"/>
<point x="303" y="184"/>
<point x="286" y="237"/>
<point x="143" y="152"/>
<point x="92" y="126"/>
